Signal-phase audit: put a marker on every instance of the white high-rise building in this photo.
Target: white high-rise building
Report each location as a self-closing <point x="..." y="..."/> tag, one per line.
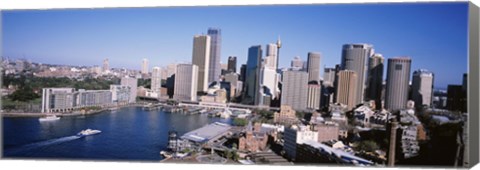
<point x="156" y="81"/>
<point x="268" y="78"/>
<point x="144" y="66"/>
<point x="201" y="58"/>
<point x="422" y="87"/>
<point x="186" y="80"/>
<point x="133" y="84"/>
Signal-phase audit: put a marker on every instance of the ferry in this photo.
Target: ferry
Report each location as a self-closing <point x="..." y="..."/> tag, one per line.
<point x="49" y="118"/>
<point x="88" y="132"/>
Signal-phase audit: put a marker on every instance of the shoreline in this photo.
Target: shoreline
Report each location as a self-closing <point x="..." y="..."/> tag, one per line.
<point x="39" y="114"/>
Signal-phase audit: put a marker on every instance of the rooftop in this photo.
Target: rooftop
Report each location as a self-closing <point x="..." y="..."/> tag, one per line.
<point x="207" y="132"/>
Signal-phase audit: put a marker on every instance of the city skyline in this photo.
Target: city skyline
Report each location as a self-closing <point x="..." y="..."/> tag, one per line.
<point x="74" y="37"/>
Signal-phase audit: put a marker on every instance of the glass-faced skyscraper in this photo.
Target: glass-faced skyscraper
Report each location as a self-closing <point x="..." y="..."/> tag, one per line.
<point x="252" y="79"/>
<point x="215" y="49"/>
<point x="375" y="80"/>
<point x="355" y="57"/>
<point x="398" y="77"/>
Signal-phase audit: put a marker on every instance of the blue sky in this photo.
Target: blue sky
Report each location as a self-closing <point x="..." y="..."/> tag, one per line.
<point x="434" y="35"/>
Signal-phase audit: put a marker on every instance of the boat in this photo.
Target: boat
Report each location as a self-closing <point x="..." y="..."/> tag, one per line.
<point x="49" y="118"/>
<point x="88" y="132"/>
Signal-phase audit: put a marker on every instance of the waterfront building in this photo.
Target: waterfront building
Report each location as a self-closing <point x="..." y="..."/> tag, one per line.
<point x="422" y="87"/>
<point x="286" y="115"/>
<point x="186" y="80"/>
<point x="294" y="135"/>
<point x="252" y="82"/>
<point x="55" y="99"/>
<point x="347" y="88"/>
<point x="232" y="64"/>
<point x="144" y="66"/>
<point x="375" y="79"/>
<point x="398" y="77"/>
<point x="294" y="89"/>
<point x="355" y="58"/>
<point x="201" y="58"/>
<point x="88" y="98"/>
<point x="313" y="66"/>
<point x="214" y="70"/>
<point x="67" y="99"/>
<point x="120" y="94"/>
<point x="206" y="134"/>
<point x="313" y="96"/>
<point x="156" y="80"/>
<point x="133" y="84"/>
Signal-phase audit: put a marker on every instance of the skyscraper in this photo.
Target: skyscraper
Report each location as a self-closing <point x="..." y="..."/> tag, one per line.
<point x="215" y="49"/>
<point x="201" y="58"/>
<point x="144" y="66"/>
<point x="156" y="81"/>
<point x="243" y="72"/>
<point x="328" y="76"/>
<point x="375" y="79"/>
<point x="422" y="87"/>
<point x="313" y="66"/>
<point x="297" y="63"/>
<point x="133" y="84"/>
<point x="355" y="57"/>
<point x="346" y="90"/>
<point x="294" y="89"/>
<point x="106" y="65"/>
<point x="313" y="95"/>
<point x="232" y="64"/>
<point x="271" y="56"/>
<point x="252" y="79"/>
<point x="186" y="80"/>
<point x="398" y="77"/>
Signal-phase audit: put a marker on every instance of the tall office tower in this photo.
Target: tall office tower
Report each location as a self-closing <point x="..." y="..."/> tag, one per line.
<point x="294" y="89"/>
<point x="313" y="95"/>
<point x="243" y="72"/>
<point x="133" y="84"/>
<point x="328" y="76"/>
<point x="214" y="70"/>
<point x="232" y="64"/>
<point x="271" y="56"/>
<point x="346" y="90"/>
<point x="375" y="79"/>
<point x="186" y="80"/>
<point x="144" y="66"/>
<point x="422" y="87"/>
<point x="355" y="57"/>
<point x="201" y="58"/>
<point x="252" y="78"/>
<point x="398" y="77"/>
<point x="297" y="63"/>
<point x="106" y="65"/>
<point x="313" y="66"/>
<point x="156" y="81"/>
<point x="171" y="69"/>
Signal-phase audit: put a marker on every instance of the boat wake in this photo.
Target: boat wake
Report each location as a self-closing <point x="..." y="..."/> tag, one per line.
<point x="28" y="147"/>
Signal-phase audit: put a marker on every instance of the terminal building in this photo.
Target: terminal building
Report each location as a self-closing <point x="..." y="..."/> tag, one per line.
<point x="207" y="134"/>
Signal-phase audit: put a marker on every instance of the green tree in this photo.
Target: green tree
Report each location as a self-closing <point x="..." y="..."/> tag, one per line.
<point x="368" y="146"/>
<point x="239" y="122"/>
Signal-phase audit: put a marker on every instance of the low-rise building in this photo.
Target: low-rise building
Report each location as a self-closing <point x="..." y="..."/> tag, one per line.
<point x="297" y="134"/>
<point x="286" y="115"/>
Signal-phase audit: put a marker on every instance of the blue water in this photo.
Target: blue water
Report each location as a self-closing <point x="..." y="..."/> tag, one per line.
<point x="127" y="134"/>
